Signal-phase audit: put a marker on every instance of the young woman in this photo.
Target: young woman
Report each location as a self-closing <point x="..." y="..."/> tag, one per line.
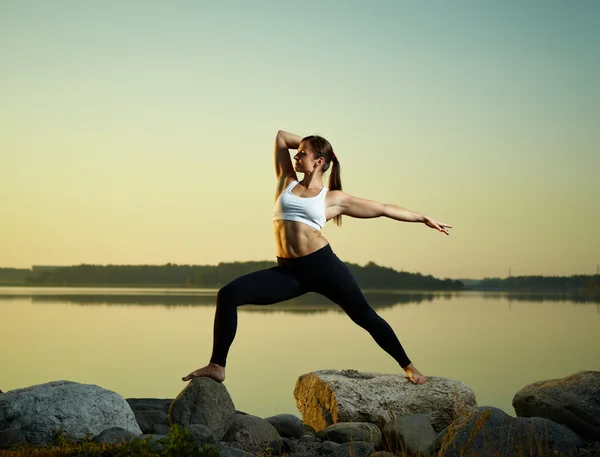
<point x="305" y="261"/>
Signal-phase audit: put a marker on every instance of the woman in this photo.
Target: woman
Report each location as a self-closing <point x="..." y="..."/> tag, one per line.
<point x="305" y="260"/>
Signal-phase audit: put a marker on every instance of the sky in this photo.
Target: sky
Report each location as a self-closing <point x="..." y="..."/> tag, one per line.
<point x="142" y="132"/>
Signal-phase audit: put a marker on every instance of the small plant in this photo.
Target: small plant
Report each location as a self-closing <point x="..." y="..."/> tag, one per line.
<point x="179" y="443"/>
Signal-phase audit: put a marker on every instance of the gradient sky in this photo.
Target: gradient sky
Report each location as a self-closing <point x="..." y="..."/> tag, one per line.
<point x="142" y="132"/>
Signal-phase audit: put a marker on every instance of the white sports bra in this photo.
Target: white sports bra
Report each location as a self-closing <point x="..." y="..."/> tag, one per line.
<point x="309" y="211"/>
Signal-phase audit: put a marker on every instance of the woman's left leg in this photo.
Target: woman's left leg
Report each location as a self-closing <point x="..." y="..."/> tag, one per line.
<point x="337" y="283"/>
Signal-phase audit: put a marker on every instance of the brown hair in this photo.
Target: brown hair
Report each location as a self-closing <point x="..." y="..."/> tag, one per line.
<point x="322" y="148"/>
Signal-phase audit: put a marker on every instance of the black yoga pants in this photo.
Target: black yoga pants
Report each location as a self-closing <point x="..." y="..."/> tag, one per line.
<point x="321" y="272"/>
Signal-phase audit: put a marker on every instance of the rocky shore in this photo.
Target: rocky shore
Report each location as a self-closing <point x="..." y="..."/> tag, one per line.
<point x="344" y="413"/>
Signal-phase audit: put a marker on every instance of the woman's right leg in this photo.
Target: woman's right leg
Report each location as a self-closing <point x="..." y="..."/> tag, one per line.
<point x="264" y="287"/>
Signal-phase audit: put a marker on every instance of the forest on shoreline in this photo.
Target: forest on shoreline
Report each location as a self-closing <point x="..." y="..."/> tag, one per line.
<point x="369" y="276"/>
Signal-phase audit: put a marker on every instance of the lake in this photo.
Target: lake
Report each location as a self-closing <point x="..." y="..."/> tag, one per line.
<point x="140" y="342"/>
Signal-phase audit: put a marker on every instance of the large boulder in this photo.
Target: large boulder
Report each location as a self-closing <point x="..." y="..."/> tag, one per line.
<point x="204" y="401"/>
<point x="35" y="414"/>
<point x="152" y="414"/>
<point x="573" y="401"/>
<point x="330" y="396"/>
<point x="490" y="431"/>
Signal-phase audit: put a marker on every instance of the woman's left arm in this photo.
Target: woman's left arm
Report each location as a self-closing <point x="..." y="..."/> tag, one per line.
<point x="364" y="209"/>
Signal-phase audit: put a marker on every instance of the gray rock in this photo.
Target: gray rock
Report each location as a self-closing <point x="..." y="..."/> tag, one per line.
<point x="289" y="446"/>
<point x="251" y="430"/>
<point x="160" y="429"/>
<point x="40" y="411"/>
<point x="314" y="447"/>
<point x="573" y="401"/>
<point x="201" y="434"/>
<point x="287" y="425"/>
<point x="114" y="435"/>
<point x="307" y="438"/>
<point x="353" y="449"/>
<point x="330" y="396"/>
<point x="207" y="402"/>
<point x="412" y="434"/>
<point x="226" y="450"/>
<point x="275" y="447"/>
<point x="344" y="432"/>
<point x="490" y="431"/>
<point x="328" y="447"/>
<point x="151" y="413"/>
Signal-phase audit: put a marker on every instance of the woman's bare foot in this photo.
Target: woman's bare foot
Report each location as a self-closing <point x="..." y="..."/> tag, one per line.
<point x="212" y="370"/>
<point x="415" y="375"/>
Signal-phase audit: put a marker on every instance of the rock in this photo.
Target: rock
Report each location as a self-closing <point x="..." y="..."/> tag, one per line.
<point x="412" y="434"/>
<point x="150" y="413"/>
<point x="344" y="432"/>
<point x="490" y="431"/>
<point x="353" y="449"/>
<point x="251" y="430"/>
<point x="287" y="425"/>
<point x="38" y="412"/>
<point x="201" y="434"/>
<point x="275" y="447"/>
<point x="1" y="392"/>
<point x="288" y="446"/>
<point x="330" y="396"/>
<point x="226" y="450"/>
<point x="114" y="435"/>
<point x="307" y="438"/>
<point x="207" y="402"/>
<point x="315" y="447"/>
<point x="383" y="454"/>
<point x="573" y="401"/>
<point x="160" y="429"/>
<point x="328" y="447"/>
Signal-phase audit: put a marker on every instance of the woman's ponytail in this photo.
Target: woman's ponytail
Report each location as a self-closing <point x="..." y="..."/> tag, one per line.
<point x="335" y="183"/>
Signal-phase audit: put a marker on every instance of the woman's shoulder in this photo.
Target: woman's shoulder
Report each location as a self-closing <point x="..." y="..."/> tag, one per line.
<point x="335" y="197"/>
<point x="284" y="184"/>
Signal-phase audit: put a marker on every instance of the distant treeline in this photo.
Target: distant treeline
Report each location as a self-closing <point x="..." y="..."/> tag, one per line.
<point x="541" y="283"/>
<point x="370" y="276"/>
<point x="13" y="276"/>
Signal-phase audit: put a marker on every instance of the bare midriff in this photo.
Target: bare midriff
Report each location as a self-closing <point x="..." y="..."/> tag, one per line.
<point x="295" y="239"/>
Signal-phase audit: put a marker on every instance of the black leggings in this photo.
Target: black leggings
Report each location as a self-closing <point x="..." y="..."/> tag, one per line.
<point x="321" y="272"/>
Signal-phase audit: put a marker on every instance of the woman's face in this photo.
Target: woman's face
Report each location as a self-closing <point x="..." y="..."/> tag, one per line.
<point x="304" y="160"/>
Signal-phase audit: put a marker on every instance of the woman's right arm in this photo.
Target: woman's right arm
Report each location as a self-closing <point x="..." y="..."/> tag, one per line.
<point x="284" y="141"/>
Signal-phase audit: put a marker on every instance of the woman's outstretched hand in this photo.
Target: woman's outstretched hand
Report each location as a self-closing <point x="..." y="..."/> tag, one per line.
<point x="429" y="222"/>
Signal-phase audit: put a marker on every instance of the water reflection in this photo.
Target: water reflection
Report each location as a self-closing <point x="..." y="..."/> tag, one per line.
<point x="578" y="297"/>
<point x="309" y="303"/>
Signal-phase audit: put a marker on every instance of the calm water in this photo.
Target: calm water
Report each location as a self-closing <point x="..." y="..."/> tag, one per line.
<point x="140" y="342"/>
